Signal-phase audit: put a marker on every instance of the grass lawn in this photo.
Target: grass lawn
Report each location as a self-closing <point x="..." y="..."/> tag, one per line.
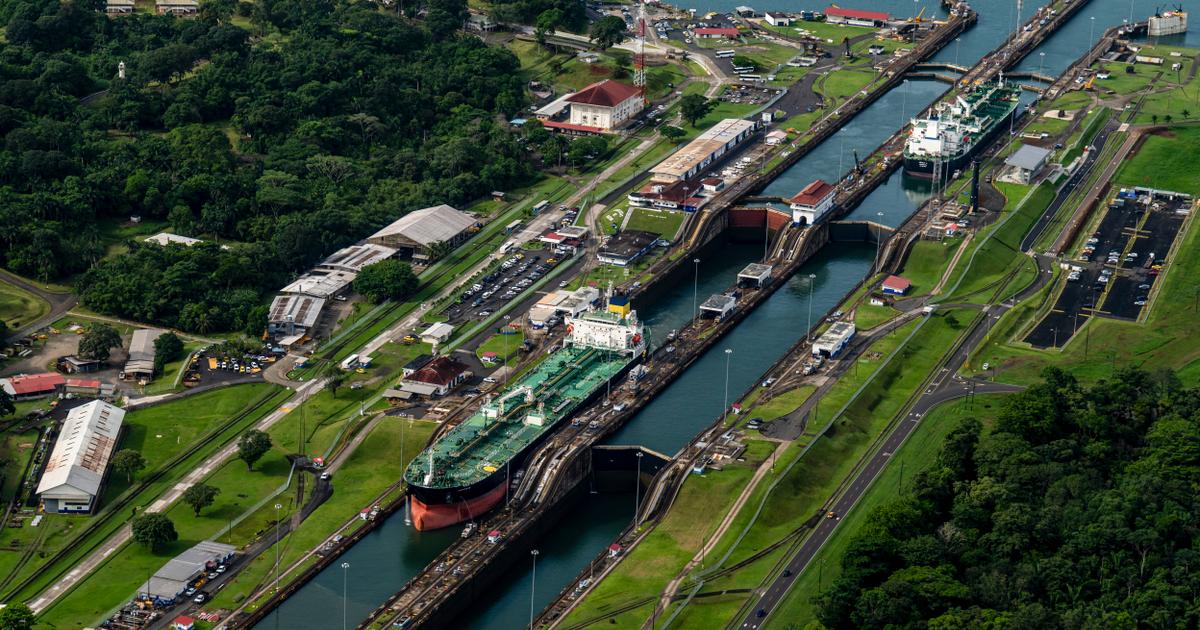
<point x="926" y="263"/>
<point x="665" y="223"/>
<point x="780" y="405"/>
<point x="702" y="503"/>
<point x="367" y="472"/>
<point x="868" y="316"/>
<point x="178" y="422"/>
<point x="166" y="381"/>
<point x="506" y="346"/>
<point x="16" y="449"/>
<point x="1162" y="162"/>
<point x="916" y="454"/>
<point x="808" y="482"/>
<point x="19" y="307"/>
<point x="1000" y="250"/>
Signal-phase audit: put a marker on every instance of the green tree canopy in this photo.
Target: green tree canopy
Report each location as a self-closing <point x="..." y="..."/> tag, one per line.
<point x="154" y="530"/>
<point x="693" y="107"/>
<point x="17" y="616"/>
<point x="607" y="32"/>
<point x="128" y="462"/>
<point x="386" y="280"/>
<point x="200" y="496"/>
<point x="252" y="446"/>
<point x="98" y="341"/>
<point x="167" y="347"/>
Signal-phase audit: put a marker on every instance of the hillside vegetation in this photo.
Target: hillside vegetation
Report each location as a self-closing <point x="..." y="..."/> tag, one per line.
<point x="1078" y="510"/>
<point x="281" y="129"/>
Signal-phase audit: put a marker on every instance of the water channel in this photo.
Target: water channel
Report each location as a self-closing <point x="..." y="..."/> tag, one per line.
<point x="382" y="562"/>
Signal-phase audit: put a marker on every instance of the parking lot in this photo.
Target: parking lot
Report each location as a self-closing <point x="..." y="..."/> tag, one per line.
<point x="1117" y="266"/>
<point x="504" y="282"/>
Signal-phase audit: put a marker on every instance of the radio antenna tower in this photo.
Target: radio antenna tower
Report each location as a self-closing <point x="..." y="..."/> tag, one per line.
<point x="639" y="59"/>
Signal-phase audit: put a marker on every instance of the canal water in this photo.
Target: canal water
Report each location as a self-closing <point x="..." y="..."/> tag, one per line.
<point x="388" y="557"/>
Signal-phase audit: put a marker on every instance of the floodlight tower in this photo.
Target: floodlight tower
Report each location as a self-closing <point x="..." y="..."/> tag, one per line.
<point x="639" y="59"/>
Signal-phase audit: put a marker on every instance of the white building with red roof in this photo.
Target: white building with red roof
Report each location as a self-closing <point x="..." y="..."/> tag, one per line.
<point x="604" y="106"/>
<point x="713" y="32"/>
<point x="26" y="386"/>
<point x="811" y="203"/>
<point x="855" y="17"/>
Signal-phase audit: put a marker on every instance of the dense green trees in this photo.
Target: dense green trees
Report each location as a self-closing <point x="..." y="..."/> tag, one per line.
<point x="607" y="32"/>
<point x="386" y="280"/>
<point x="283" y="149"/>
<point x="128" y="462"/>
<point x="1078" y="509"/>
<point x="693" y="107"/>
<point x="200" y="496"/>
<point x="167" y="347"/>
<point x="252" y="446"/>
<point x="98" y="341"/>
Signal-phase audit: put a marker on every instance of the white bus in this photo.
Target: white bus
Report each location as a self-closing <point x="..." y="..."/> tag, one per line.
<point x="750" y="77"/>
<point x="724" y="54"/>
<point x="743" y="69"/>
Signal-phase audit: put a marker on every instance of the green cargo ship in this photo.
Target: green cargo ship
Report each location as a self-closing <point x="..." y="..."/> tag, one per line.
<point x="466" y="472"/>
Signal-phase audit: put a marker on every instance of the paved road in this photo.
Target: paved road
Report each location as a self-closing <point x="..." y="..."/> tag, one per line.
<point x="1066" y="189"/>
<point x="60" y="303"/>
<point x="946" y="385"/>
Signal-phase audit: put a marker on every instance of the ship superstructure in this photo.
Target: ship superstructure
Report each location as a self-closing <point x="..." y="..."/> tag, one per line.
<point x="944" y="141"/>
<point x="466" y="472"/>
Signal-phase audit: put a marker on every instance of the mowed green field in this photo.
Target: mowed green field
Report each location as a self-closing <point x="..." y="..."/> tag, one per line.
<point x="19" y="307"/>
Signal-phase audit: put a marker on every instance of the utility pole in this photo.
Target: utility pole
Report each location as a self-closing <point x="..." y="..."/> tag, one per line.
<point x="532" y="586"/>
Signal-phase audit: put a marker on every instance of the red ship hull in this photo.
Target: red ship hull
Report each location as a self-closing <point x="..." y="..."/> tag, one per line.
<point x="426" y="517"/>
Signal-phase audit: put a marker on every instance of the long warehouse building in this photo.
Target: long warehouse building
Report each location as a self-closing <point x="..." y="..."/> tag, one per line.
<point x="707" y="148"/>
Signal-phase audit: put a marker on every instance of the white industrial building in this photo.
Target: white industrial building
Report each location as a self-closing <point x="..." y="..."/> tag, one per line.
<point x="834" y="340"/>
<point x="778" y="19"/>
<point x="437" y="333"/>
<point x="708" y="147"/>
<point x="166" y="238"/>
<point x="355" y="257"/>
<point x="415" y="233"/>
<point x="174" y="578"/>
<point x="292" y="314"/>
<point x="1023" y="165"/>
<point x="140" y="364"/>
<point x="563" y="303"/>
<point x="75" y="470"/>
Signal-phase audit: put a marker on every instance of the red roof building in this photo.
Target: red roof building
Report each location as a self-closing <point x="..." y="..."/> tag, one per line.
<point x="813" y="194"/>
<point x="85" y="383"/>
<point x="437" y="378"/>
<point x="183" y="622"/>
<point x="602" y="107"/>
<point x="32" y="385"/>
<point x="838" y="15"/>
<point x="713" y="32"/>
<point x="895" y="285"/>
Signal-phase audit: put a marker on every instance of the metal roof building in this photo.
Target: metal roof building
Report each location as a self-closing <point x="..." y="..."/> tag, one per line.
<point x="355" y="257"/>
<point x="709" y="146"/>
<point x="320" y="283"/>
<point x="1027" y="161"/>
<point x="141" y="353"/>
<point x="416" y="231"/>
<point x="834" y="340"/>
<point x="172" y="579"/>
<point x="76" y="466"/>
<point x="290" y="313"/>
<point x="166" y="238"/>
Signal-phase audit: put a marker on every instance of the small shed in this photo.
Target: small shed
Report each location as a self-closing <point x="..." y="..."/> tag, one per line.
<point x="895" y="285"/>
<point x="183" y="622"/>
<point x="437" y="333"/>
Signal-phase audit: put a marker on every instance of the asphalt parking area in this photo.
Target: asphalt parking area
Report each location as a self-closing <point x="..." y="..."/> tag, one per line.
<point x="505" y="284"/>
<point x="1117" y="268"/>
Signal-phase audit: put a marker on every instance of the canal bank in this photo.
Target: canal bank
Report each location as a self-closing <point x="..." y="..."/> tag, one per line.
<point x="656" y="423"/>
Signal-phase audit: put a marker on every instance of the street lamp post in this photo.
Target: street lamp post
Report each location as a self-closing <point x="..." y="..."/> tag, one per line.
<point x="637" y="488"/>
<point x="812" y="280"/>
<point x="1092" y="33"/>
<point x="532" y="586"/>
<point x="725" y="413"/>
<point x="345" y="590"/>
<point x="695" y="287"/>
<point x="957" y="45"/>
<point x="1055" y="331"/>
<point x="1041" y="61"/>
